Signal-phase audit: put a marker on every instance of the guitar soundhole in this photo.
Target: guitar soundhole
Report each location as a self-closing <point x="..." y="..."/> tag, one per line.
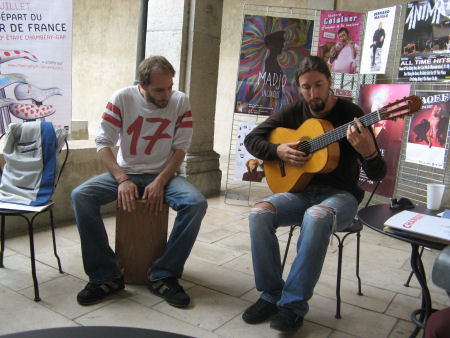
<point x="304" y="147"/>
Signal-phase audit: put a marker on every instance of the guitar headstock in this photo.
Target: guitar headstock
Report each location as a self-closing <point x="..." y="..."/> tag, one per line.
<point x="400" y="108"/>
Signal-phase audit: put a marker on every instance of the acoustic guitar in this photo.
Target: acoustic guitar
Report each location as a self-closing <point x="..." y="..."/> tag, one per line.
<point x="320" y="139"/>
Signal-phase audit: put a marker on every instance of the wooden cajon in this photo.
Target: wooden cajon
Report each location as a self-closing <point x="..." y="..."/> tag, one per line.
<point x="140" y="239"/>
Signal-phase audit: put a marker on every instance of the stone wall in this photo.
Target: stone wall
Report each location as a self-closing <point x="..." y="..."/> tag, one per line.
<point x="103" y="55"/>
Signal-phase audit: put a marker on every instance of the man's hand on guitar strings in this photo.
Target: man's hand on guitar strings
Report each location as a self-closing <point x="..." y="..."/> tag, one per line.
<point x="289" y="154"/>
<point x="360" y="138"/>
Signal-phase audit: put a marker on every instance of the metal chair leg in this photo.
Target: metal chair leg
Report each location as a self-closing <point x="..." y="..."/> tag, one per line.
<point x="33" y="259"/>
<point x="291" y="231"/>
<point x="338" y="277"/>
<point x="358" y="237"/>
<point x="2" y="234"/>
<point x="54" y="241"/>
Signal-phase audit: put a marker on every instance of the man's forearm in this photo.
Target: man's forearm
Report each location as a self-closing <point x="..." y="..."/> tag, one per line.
<point x="172" y="166"/>
<point x="110" y="162"/>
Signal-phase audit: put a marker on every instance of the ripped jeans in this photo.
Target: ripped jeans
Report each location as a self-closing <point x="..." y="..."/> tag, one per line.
<point x="316" y="228"/>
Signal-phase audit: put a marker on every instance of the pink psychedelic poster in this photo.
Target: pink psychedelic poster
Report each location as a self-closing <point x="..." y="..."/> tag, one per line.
<point x="428" y="130"/>
<point x="271" y="48"/>
<point x="339" y="34"/>
<point x="388" y="133"/>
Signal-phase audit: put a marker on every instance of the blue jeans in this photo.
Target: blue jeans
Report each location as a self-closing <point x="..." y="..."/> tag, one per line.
<point x="100" y="262"/>
<point x="317" y="224"/>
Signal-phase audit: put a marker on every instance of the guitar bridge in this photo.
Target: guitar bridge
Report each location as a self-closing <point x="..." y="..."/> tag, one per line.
<point x="282" y="170"/>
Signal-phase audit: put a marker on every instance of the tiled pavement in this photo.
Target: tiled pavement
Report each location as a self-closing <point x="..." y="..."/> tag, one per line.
<point x="219" y="278"/>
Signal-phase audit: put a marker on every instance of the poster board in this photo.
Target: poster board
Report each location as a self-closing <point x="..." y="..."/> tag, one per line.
<point x="248" y="168"/>
<point x="377" y="40"/>
<point x="388" y="133"/>
<point x="339" y="35"/>
<point x="271" y="48"/>
<point x="425" y="49"/>
<point x="427" y="136"/>
<point x="36" y="62"/>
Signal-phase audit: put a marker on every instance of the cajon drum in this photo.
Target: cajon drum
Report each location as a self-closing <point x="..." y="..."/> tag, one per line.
<point x="140" y="239"/>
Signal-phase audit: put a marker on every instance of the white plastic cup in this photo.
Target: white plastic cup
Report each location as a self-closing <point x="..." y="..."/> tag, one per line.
<point x="435" y="192"/>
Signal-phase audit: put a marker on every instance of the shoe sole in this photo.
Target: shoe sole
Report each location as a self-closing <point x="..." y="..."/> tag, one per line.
<point x="265" y="319"/>
<point x="286" y="330"/>
<point x="290" y="330"/>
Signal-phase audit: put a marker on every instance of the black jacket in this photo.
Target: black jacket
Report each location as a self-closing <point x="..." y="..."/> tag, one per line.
<point x="346" y="175"/>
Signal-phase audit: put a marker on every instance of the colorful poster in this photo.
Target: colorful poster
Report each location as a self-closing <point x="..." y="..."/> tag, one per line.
<point x="36" y="62"/>
<point x="427" y="135"/>
<point x="377" y="40"/>
<point x="339" y="40"/>
<point x="388" y="133"/>
<point x="247" y="168"/>
<point x="425" y="53"/>
<point x="271" y="49"/>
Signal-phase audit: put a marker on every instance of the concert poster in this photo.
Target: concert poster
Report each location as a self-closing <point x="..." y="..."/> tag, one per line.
<point x="339" y="35"/>
<point x="425" y="52"/>
<point x="271" y="48"/>
<point x="247" y="167"/>
<point x="388" y="133"/>
<point x="427" y="135"/>
<point x="377" y="40"/>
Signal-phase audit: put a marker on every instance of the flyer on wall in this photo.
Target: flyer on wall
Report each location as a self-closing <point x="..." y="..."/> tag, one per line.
<point x="427" y="137"/>
<point x="388" y="133"/>
<point x="344" y="94"/>
<point x="36" y="62"/>
<point x="247" y="167"/>
<point x="377" y="40"/>
<point x="339" y="34"/>
<point x="425" y="52"/>
<point x="271" y="48"/>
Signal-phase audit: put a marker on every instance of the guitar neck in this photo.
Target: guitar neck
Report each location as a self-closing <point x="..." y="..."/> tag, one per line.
<point x="336" y="134"/>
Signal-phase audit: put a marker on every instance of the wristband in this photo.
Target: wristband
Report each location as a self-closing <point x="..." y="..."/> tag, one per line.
<point x="127" y="179"/>
<point x="370" y="157"/>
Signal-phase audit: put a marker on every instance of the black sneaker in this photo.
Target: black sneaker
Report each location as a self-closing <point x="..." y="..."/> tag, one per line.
<point x="259" y="312"/>
<point x="286" y="320"/>
<point x="169" y="289"/>
<point x="94" y="293"/>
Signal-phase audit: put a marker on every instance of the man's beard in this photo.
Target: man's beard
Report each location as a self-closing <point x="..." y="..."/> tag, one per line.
<point x="317" y="107"/>
<point x="150" y="98"/>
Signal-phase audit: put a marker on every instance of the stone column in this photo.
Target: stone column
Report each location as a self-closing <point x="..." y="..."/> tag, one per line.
<point x="187" y="32"/>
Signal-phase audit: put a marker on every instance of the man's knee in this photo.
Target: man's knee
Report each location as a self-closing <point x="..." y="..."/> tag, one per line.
<point x="320" y="211"/>
<point x="261" y="219"/>
<point x="202" y="205"/>
<point x="262" y="207"/>
<point x="75" y="193"/>
<point x="196" y="203"/>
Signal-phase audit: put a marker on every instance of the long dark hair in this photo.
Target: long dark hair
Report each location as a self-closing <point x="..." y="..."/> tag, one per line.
<point x="311" y="63"/>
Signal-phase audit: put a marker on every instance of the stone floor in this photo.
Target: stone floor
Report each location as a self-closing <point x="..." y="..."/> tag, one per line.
<point x="219" y="278"/>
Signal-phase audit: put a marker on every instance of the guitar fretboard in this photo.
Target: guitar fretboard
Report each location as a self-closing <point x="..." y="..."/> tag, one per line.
<point x="336" y="134"/>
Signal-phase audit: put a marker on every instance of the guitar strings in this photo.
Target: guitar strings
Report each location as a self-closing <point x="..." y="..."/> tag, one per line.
<point x="336" y="134"/>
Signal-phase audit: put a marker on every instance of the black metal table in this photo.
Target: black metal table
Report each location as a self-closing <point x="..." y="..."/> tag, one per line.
<point x="374" y="217"/>
<point x="93" y="332"/>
